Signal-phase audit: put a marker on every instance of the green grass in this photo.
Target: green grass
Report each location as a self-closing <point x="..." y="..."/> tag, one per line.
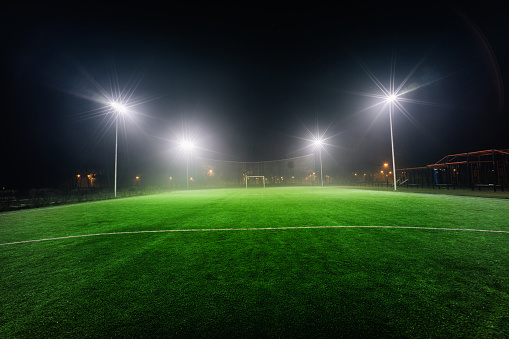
<point x="322" y="282"/>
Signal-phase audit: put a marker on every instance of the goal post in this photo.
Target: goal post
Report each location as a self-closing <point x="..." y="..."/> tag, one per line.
<point x="255" y="176"/>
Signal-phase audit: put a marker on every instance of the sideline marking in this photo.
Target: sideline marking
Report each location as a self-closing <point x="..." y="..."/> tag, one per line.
<point x="253" y="229"/>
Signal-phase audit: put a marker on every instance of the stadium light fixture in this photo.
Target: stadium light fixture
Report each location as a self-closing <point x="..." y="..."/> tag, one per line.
<point x="394" y="96"/>
<point x="319" y="140"/>
<point x="116" y="102"/>
<point x="120" y="109"/>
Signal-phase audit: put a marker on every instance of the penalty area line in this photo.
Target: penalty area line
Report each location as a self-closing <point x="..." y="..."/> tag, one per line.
<point x="253" y="229"/>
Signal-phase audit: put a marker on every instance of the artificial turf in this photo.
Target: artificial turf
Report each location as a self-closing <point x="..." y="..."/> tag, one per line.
<point x="304" y="282"/>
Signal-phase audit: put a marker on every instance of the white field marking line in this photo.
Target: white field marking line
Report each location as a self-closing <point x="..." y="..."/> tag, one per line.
<point x="254" y="229"/>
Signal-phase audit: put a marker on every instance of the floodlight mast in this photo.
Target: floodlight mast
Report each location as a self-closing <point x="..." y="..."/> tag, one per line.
<point x="116" y="146"/>
<point x="187" y="146"/>
<point x="321" y="167"/>
<point x="187" y="170"/>
<point x="318" y="142"/>
<point x="391" y="99"/>
<point x="119" y="109"/>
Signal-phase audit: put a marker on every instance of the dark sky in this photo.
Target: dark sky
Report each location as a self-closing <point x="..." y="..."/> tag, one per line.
<point x="247" y="82"/>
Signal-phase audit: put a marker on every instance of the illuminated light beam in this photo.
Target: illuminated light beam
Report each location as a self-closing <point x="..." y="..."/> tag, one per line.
<point x="364" y="94"/>
<point x="374" y="79"/>
<point x="414" y="69"/>
<point x="411" y="73"/>
<point x="423" y="102"/>
<point x="410" y="90"/>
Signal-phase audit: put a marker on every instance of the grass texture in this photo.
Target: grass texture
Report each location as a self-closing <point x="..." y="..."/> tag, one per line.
<point x="254" y="282"/>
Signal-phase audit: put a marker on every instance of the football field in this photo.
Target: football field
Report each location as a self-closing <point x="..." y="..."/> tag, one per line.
<point x="261" y="262"/>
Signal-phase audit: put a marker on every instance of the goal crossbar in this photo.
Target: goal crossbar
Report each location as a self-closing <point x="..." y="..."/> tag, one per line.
<point x="255" y="176"/>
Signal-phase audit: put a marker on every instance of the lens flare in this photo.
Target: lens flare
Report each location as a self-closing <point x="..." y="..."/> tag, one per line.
<point x="119" y="107"/>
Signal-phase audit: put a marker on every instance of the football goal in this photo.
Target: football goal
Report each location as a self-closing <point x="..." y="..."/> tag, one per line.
<point x="256" y="179"/>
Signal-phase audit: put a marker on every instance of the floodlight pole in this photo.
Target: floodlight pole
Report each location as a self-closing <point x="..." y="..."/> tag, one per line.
<point x="116" y="147"/>
<point x="118" y="108"/>
<point x="321" y="168"/>
<point x="392" y="145"/>
<point x="187" y="168"/>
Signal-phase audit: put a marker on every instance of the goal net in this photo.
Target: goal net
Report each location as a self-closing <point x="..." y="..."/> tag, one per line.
<point x="255" y="180"/>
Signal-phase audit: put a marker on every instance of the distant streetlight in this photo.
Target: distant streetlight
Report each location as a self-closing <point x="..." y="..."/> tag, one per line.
<point x="120" y="110"/>
<point x="187" y="146"/>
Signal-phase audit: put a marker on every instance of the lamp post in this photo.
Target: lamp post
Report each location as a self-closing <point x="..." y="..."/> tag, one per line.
<point x="318" y="143"/>
<point x="119" y="109"/>
<point x="390" y="99"/>
<point x="187" y="146"/>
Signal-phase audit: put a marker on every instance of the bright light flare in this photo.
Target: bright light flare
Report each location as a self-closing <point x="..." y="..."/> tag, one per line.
<point x="394" y="96"/>
<point x="391" y="98"/>
<point x="187" y="145"/>
<point x="318" y="140"/>
<point x="119" y="107"/>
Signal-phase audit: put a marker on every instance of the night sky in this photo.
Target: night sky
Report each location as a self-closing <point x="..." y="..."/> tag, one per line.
<point x="249" y="83"/>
